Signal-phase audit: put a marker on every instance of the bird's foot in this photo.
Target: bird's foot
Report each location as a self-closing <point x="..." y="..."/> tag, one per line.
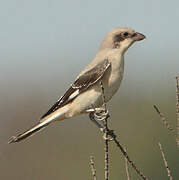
<point x="101" y="114"/>
<point x="110" y="135"/>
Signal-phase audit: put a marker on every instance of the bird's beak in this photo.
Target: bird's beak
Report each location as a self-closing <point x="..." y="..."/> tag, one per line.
<point x="138" y="36"/>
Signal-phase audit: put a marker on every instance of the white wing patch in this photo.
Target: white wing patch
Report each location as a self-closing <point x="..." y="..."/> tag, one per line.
<point x="73" y="95"/>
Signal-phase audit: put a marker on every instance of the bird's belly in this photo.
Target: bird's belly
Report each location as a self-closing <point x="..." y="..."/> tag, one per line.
<point x="92" y="97"/>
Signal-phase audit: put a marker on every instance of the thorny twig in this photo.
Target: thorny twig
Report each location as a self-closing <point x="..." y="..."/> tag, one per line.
<point x="93" y="170"/>
<point x="177" y="108"/>
<point x="165" y="161"/>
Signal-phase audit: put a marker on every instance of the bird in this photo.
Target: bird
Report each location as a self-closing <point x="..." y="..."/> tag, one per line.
<point x="107" y="68"/>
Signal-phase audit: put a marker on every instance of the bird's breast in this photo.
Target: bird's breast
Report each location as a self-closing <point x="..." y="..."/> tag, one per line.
<point x="115" y="77"/>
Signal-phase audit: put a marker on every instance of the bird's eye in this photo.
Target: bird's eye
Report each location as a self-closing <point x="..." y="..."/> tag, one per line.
<point x="125" y="34"/>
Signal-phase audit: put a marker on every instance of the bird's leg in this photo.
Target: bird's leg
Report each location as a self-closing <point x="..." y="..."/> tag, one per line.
<point x="101" y="114"/>
<point x="105" y="115"/>
<point x="98" y="115"/>
<point x="92" y="118"/>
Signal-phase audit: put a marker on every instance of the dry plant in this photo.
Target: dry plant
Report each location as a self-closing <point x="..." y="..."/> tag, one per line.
<point x="177" y="107"/>
<point x="109" y="135"/>
<point x="93" y="170"/>
<point x="163" y="118"/>
<point x="127" y="169"/>
<point x="165" y="161"/>
<point x="167" y="125"/>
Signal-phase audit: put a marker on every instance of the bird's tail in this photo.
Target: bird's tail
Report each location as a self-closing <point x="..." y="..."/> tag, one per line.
<point x="28" y="133"/>
<point x="39" y="126"/>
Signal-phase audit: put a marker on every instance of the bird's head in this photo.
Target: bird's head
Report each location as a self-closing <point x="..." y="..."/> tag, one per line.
<point x="121" y="38"/>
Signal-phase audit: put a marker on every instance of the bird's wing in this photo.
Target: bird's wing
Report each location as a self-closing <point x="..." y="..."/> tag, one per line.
<point x="81" y="83"/>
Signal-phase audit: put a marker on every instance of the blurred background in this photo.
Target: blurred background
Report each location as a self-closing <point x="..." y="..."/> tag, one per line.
<point x="43" y="46"/>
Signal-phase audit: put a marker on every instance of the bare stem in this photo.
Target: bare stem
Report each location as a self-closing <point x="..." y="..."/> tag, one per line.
<point x="106" y="151"/>
<point x="93" y="170"/>
<point x="111" y="133"/>
<point x="127" y="168"/>
<point x="127" y="156"/>
<point x="163" y="118"/>
<point x="165" y="161"/>
<point x="177" y="108"/>
<point x="106" y="141"/>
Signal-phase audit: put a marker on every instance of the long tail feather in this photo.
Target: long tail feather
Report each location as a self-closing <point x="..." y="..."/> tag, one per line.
<point x="42" y="124"/>
<point x="28" y="133"/>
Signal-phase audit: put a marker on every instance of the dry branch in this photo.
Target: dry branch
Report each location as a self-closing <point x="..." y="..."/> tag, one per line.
<point x="164" y="121"/>
<point x="93" y="170"/>
<point x="112" y="134"/>
<point x="94" y="116"/>
<point x="114" y="137"/>
<point x="106" y="152"/>
<point x="127" y="168"/>
<point x="177" y="108"/>
<point x="106" y="141"/>
<point x="165" y="161"/>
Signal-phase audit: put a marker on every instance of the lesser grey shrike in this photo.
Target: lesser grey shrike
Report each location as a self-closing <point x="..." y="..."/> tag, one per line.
<point x="85" y="93"/>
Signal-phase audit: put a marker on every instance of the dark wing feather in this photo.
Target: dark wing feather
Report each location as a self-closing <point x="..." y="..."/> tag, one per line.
<point x="82" y="83"/>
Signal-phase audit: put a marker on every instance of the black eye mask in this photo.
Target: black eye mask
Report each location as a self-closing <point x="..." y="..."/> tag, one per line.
<point x="118" y="38"/>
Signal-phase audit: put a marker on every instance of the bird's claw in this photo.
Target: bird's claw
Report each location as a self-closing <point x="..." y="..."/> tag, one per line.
<point x="107" y="138"/>
<point x="102" y="129"/>
<point x="101" y="114"/>
<point x="110" y="135"/>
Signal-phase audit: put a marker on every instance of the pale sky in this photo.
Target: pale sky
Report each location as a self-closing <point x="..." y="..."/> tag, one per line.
<point x="44" y="35"/>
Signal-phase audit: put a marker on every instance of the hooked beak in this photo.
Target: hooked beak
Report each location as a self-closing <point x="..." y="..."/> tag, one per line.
<point x="138" y="36"/>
